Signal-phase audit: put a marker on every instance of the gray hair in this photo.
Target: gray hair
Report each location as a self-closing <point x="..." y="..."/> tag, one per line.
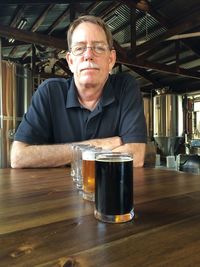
<point x="94" y="20"/>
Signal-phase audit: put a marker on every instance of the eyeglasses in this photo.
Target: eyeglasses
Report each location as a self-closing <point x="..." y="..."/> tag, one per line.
<point x="97" y="49"/>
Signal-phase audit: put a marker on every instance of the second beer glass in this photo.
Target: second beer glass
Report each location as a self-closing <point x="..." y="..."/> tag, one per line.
<point x="88" y="172"/>
<point x="114" y="187"/>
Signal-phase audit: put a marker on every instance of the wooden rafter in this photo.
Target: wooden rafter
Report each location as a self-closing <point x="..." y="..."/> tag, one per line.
<point x="32" y="37"/>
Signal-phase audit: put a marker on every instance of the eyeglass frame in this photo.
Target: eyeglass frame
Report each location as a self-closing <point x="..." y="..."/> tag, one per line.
<point x="85" y="47"/>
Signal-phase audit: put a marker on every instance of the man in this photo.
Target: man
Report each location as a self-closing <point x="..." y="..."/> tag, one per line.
<point x="92" y="107"/>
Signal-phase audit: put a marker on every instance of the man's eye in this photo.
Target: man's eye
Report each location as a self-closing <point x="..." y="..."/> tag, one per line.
<point x="100" y="48"/>
<point x="78" y="48"/>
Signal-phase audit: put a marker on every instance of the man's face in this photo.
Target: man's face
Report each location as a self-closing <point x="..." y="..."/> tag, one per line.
<point x="90" y="69"/>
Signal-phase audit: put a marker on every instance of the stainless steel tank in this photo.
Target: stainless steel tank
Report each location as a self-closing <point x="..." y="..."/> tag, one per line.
<point x="148" y="116"/>
<point x="15" y="96"/>
<point x="168" y="122"/>
<point x="192" y="137"/>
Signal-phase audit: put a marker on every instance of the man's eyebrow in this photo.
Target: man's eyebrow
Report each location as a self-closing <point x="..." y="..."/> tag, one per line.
<point x="84" y="43"/>
<point x="78" y="43"/>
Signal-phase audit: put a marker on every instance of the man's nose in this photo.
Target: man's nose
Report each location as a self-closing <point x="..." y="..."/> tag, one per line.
<point x="88" y="54"/>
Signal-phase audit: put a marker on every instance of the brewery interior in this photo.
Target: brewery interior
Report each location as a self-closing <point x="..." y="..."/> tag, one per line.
<point x="156" y="41"/>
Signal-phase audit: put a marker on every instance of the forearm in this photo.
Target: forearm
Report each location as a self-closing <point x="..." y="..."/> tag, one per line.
<point x="106" y="143"/>
<point x="138" y="151"/>
<point x="38" y="156"/>
<point x="115" y="144"/>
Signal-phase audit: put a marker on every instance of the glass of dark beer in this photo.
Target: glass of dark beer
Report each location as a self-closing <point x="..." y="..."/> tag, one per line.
<point x="114" y="187"/>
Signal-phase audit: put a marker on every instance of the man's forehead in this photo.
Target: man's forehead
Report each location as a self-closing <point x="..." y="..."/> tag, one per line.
<point x="85" y="29"/>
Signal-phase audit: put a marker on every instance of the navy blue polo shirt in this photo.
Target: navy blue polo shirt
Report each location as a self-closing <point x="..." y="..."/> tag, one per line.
<point x="56" y="116"/>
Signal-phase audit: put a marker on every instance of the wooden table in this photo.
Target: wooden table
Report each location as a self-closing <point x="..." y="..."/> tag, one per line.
<point x="45" y="222"/>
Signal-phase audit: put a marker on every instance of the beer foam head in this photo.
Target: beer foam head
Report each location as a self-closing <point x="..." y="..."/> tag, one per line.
<point x="114" y="157"/>
<point x="88" y="155"/>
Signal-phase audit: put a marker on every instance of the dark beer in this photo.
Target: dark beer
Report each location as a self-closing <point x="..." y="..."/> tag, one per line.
<point x="114" y="185"/>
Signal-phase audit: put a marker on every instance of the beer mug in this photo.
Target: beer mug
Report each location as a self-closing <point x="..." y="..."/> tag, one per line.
<point x="77" y="164"/>
<point x="114" y="187"/>
<point x="88" y="172"/>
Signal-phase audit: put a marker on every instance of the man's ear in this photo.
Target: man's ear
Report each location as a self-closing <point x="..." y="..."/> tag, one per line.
<point x="69" y="61"/>
<point x="112" y="59"/>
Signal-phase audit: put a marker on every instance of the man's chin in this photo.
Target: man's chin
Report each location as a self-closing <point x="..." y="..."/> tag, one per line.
<point x="89" y="85"/>
<point x="88" y="82"/>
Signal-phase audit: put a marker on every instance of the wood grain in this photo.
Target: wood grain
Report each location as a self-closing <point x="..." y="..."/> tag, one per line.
<point x="45" y="222"/>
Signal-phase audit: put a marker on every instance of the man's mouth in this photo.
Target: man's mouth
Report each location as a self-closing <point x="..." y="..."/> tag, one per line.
<point x="89" y="66"/>
<point x="89" y="69"/>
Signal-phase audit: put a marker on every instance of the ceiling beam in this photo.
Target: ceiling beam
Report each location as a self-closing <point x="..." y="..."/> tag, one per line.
<point x="36" y="2"/>
<point x="124" y="58"/>
<point x="40" y="39"/>
<point x="32" y="37"/>
<point x="145" y="75"/>
<point x="160" y="67"/>
<point x="41" y="18"/>
<point x="189" y="45"/>
<point x="38" y="22"/>
<point x="28" y="51"/>
<point x="142" y="5"/>
<point x="184" y="86"/>
<point x="109" y="9"/>
<point x="145" y="6"/>
<point x="192" y="21"/>
<point x="35" y="26"/>
<point x="58" y="20"/>
<point x="18" y="15"/>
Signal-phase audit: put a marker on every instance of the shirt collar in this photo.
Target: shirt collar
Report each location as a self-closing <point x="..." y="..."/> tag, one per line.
<point x="107" y="98"/>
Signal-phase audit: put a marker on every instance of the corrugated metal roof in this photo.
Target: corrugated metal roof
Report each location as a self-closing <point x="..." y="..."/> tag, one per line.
<point x="156" y="57"/>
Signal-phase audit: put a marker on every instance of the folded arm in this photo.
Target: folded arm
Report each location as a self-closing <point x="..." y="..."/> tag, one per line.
<point x="116" y="145"/>
<point x="24" y="155"/>
<point x="37" y="156"/>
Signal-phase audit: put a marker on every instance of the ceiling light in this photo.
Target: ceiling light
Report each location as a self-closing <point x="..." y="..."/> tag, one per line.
<point x="22" y="23"/>
<point x="11" y="40"/>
